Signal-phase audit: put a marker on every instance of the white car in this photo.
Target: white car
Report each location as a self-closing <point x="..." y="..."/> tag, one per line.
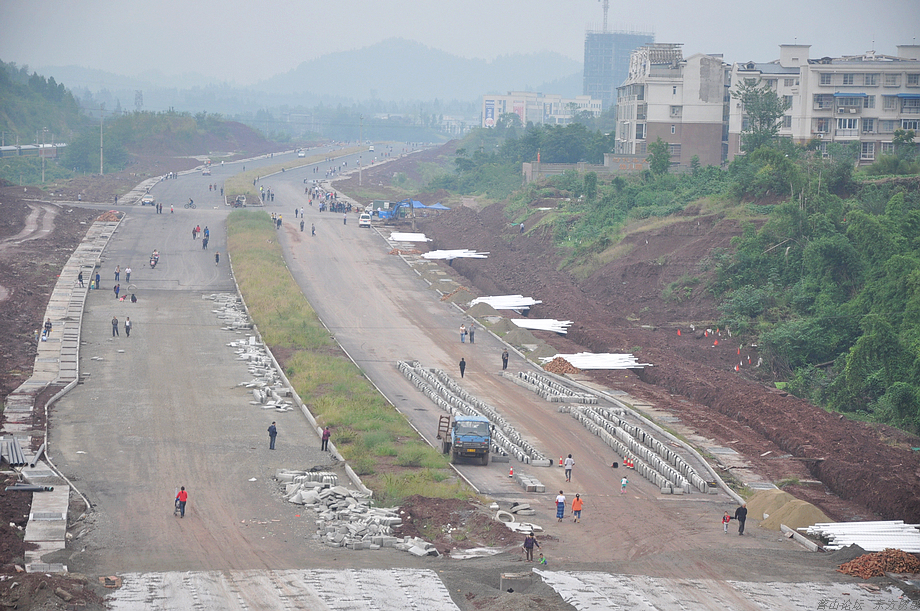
<point x="301" y="153"/>
<point x="371" y="148"/>
<point x="206" y="172"/>
<point x="364" y="220"/>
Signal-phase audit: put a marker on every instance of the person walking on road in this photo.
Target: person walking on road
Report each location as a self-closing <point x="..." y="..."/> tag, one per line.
<point x="272" y="433"/>
<point x="114" y="326"/>
<point x="301" y="225"/>
<point x="48" y="328"/>
<point x="217" y="258"/>
<point x="462" y="334"/>
<point x="97" y="280"/>
<point x="324" y="446"/>
<point x="312" y="229"/>
<point x="577" y="504"/>
<point x="128" y="327"/>
<point x="117" y="272"/>
<point x="345" y="218"/>
<point x="117" y="289"/>
<point x="568" y="464"/>
<point x="741" y="516"/>
<point x="181" y="500"/>
<point x="462" y="366"/>
<point x="472" y="333"/>
<point x="504" y="359"/>
<point x="725" y="520"/>
<point x="529" y="542"/>
<point x="560" y="506"/>
<point x="80" y="279"/>
<point x="623" y="483"/>
<point x="128" y="274"/>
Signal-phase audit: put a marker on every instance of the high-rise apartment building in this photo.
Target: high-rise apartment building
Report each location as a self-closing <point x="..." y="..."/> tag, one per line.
<point x="607" y="62"/>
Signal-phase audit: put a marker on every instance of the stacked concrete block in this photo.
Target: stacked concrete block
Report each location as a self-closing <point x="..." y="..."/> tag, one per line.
<point x="653" y="460"/>
<point x="549" y="389"/>
<point x="528" y="483"/>
<point x="444" y="392"/>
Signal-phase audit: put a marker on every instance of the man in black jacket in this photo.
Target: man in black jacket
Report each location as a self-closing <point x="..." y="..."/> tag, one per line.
<point x="741" y="516"/>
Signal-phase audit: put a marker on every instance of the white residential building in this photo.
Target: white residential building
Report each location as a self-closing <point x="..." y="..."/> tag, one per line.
<point x="537" y="108"/>
<point x="682" y="101"/>
<point x="862" y="98"/>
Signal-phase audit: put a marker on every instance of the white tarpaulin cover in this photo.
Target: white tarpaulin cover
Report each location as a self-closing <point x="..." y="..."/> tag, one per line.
<point x="607" y="360"/>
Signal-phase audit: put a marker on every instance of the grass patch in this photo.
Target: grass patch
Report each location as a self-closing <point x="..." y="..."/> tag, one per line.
<point x="368" y="431"/>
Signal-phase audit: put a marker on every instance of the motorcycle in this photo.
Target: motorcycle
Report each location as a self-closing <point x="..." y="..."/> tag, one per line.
<point x="154" y="259"/>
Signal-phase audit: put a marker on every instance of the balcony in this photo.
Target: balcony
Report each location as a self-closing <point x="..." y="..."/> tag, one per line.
<point x="848" y="110"/>
<point x="846" y="133"/>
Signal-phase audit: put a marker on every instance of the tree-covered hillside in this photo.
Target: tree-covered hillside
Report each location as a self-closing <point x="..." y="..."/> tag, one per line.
<point x="825" y="278"/>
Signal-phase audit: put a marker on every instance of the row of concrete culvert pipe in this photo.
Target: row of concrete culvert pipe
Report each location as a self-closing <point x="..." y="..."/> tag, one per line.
<point x="653" y="460"/>
<point x="551" y="391"/>
<point x="449" y="396"/>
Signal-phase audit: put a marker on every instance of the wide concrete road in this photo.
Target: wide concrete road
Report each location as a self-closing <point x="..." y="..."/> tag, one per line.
<point x="162" y="409"/>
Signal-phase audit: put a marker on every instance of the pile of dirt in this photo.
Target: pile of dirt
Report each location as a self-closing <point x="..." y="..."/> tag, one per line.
<point x="452" y="524"/>
<point x="404" y="251"/>
<point x="458" y="295"/>
<point x="112" y="216"/>
<point x="560" y="366"/>
<point x="503" y="326"/>
<point x="879" y="563"/>
<point x="481" y="309"/>
<point x="767" y="502"/>
<point x="795" y="514"/>
<point x="520" y="336"/>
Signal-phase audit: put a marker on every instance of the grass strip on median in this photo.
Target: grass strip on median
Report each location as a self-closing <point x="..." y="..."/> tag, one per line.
<point x="374" y="438"/>
<point x="244" y="183"/>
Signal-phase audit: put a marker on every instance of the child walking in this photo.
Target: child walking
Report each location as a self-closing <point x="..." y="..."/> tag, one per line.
<point x="725" y="520"/>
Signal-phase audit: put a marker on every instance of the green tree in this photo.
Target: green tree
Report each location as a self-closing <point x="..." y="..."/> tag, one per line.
<point x="764" y="111"/>
<point x="591" y="186"/>
<point x="659" y="157"/>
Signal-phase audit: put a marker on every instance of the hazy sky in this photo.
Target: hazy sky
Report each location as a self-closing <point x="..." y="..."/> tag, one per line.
<point x="244" y="41"/>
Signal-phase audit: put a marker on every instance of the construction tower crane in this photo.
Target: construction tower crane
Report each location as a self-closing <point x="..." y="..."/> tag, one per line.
<point x="606" y="8"/>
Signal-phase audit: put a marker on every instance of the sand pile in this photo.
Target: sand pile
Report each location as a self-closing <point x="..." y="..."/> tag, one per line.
<point x="767" y="502"/>
<point x="503" y="326"/>
<point x="482" y="309"/>
<point x="519" y="337"/>
<point x="458" y="295"/>
<point x="795" y="514"/>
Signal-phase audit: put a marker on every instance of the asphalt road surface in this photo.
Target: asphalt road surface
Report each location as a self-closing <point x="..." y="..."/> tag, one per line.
<point x="162" y="409"/>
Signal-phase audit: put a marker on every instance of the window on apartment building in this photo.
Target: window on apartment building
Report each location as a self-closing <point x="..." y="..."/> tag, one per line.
<point x="673" y="129"/>
<point x="887" y="148"/>
<point x="892" y="80"/>
<point x="849" y="79"/>
<point x="674" y="89"/>
<point x="745" y="124"/>
<point x="825" y="78"/>
<point x="868" y="126"/>
<point x="790" y="82"/>
<point x="869" y="101"/>
<point x="676" y="111"/>
<point x="823" y="100"/>
<point x="886" y="127"/>
<point x="640" y="131"/>
<point x="890" y="102"/>
<point x="913" y="80"/>
<point x="641" y="148"/>
<point x="770" y="83"/>
<point x="674" y="151"/>
<point x="913" y="124"/>
<point x="822" y="126"/>
<point x="787" y="122"/>
<point x="911" y="107"/>
<point x="847" y="124"/>
<point x="868" y="151"/>
<point x="870" y="80"/>
<point x="787" y="100"/>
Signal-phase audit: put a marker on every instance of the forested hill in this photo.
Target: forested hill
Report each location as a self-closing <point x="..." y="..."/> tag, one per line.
<point x="30" y="103"/>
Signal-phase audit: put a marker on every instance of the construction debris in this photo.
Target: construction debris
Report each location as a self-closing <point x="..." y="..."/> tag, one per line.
<point x="560" y="366"/>
<point x="410" y="251"/>
<point x="606" y="360"/>
<point x="879" y="563"/>
<point x="454" y="292"/>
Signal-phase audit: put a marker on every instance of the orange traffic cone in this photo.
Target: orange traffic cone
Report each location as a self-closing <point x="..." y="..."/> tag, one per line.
<point x="678" y="333"/>
<point x="715" y="343"/>
<point x="560" y="461"/>
<point x="511" y="472"/>
<point x="739" y="349"/>
<point x="736" y="368"/>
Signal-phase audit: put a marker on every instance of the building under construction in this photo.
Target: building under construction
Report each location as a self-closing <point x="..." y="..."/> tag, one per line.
<point x="607" y="61"/>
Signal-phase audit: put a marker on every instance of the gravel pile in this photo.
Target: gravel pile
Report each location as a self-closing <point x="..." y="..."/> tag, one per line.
<point x="879" y="563"/>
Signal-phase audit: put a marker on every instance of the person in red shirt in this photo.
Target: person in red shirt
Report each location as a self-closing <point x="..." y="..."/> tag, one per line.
<point x="182" y="499"/>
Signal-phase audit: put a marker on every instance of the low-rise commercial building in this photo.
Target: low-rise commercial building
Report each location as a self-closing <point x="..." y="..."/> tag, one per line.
<point x="537" y="108"/>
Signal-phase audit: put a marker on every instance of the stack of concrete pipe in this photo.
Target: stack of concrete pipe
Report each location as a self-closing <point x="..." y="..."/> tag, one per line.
<point x="549" y="389"/>
<point x="230" y="311"/>
<point x="653" y="460"/>
<point x="447" y="394"/>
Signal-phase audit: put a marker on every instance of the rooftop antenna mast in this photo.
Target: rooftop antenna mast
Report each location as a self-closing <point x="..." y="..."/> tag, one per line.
<point x="606" y="8"/>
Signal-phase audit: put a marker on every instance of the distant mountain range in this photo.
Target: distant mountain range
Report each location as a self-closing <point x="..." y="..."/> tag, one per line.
<point x="397" y="69"/>
<point x="390" y="71"/>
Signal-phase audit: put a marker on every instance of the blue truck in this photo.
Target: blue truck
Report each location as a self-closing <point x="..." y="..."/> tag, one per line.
<point x="466" y="438"/>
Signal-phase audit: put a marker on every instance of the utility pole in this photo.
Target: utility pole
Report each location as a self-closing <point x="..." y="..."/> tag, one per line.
<point x="360" y="142"/>
<point x="44" y="131"/>
<point x="100" y="142"/>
